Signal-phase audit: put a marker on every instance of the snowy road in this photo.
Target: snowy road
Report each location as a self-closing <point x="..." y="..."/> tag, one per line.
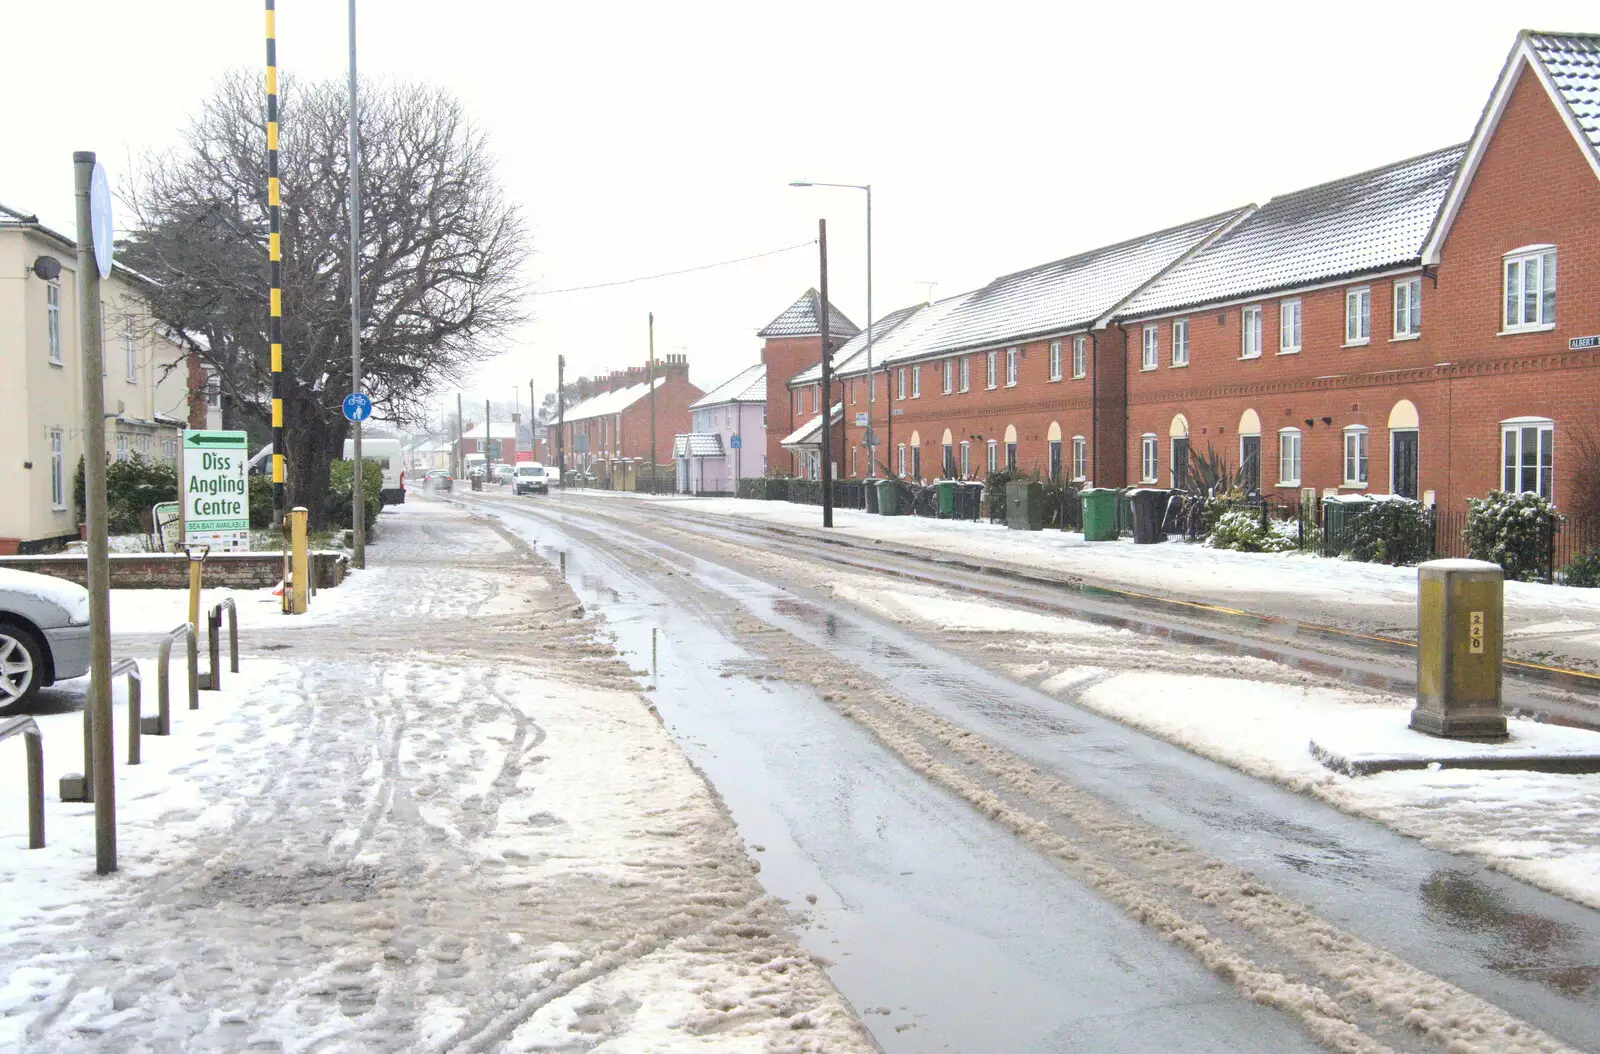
<point x="433" y="815"/>
<point x="1359" y="937"/>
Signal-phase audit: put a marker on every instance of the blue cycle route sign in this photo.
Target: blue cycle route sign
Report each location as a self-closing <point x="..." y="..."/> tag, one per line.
<point x="734" y="442"/>
<point x="357" y="407"/>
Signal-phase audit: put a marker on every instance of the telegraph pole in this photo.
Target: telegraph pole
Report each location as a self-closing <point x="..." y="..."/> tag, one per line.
<point x="533" y="422"/>
<point x="358" y="504"/>
<point x="827" y="380"/>
<point x="488" y="451"/>
<point x="460" y="438"/>
<point x="650" y="374"/>
<point x="94" y="502"/>
<point x="561" y="420"/>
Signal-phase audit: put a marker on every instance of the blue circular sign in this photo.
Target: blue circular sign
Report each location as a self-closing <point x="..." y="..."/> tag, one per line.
<point x="100" y="219"/>
<point x="357" y="407"/>
<point x="734" y="442"/>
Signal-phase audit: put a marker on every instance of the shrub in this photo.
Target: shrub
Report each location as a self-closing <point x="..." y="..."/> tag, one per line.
<point x="1241" y="530"/>
<point x="1514" y="531"/>
<point x="1395" y="531"/>
<point x="132" y="486"/>
<point x="341" y="478"/>
<point x="260" y="485"/>
<point x="1584" y="571"/>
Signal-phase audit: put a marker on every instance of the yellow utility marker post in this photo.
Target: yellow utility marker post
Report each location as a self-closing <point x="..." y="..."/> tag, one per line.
<point x="196" y="562"/>
<point x="1460" y="625"/>
<point x="299" y="561"/>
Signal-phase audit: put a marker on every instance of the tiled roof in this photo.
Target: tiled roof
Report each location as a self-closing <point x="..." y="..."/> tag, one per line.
<point x="851" y="357"/>
<point x="1353" y="225"/>
<point x="1068" y="293"/>
<point x="611" y="402"/>
<point x="1573" y="62"/>
<point x="799" y="319"/>
<point x="697" y="444"/>
<point x="810" y="433"/>
<point x="747" y="386"/>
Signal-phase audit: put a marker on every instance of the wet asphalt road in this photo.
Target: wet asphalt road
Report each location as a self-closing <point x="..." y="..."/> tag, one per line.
<point x="942" y="919"/>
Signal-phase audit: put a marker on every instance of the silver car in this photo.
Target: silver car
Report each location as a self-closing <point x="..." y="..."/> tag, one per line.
<point x="44" y="633"/>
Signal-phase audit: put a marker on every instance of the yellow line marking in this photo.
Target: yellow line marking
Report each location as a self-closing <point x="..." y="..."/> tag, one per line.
<point x="277" y="415"/>
<point x="272" y="135"/>
<point x="277" y="358"/>
<point x="272" y="190"/>
<point x="277" y="303"/>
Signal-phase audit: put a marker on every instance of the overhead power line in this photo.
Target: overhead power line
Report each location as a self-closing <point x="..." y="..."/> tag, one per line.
<point x="669" y="274"/>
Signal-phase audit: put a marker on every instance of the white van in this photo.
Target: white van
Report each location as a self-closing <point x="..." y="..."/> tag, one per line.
<point x="530" y="478"/>
<point x="387" y="453"/>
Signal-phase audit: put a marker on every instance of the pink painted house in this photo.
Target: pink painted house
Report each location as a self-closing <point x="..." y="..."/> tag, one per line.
<point x="727" y="441"/>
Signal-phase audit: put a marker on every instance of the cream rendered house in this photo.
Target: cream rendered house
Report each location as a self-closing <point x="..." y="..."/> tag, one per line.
<point x="147" y="382"/>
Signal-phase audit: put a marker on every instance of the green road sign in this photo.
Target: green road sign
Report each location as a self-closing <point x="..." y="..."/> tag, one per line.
<point x="215" y="496"/>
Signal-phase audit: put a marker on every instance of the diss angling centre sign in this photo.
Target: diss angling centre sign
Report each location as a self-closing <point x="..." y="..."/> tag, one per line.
<point x="216" y="498"/>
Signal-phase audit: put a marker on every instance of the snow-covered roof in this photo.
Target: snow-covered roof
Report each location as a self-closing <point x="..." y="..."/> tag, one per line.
<point x="697" y="444"/>
<point x="851" y="358"/>
<point x="1573" y="62"/>
<point x="1361" y="223"/>
<point x="612" y="402"/>
<point x="810" y="433"/>
<point x="799" y="319"/>
<point x="15" y="218"/>
<point x="747" y="386"/>
<point x="497" y="430"/>
<point x="1068" y="294"/>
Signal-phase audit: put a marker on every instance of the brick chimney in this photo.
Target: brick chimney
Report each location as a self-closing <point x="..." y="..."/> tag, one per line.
<point x="675" y="365"/>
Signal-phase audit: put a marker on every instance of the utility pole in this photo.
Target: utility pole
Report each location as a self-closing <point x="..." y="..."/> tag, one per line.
<point x="650" y="374"/>
<point x="94" y="502"/>
<point x="561" y="420"/>
<point x="358" y="504"/>
<point x="460" y="438"/>
<point x="488" y="447"/>
<point x="533" y="422"/>
<point x="827" y="380"/>
<point x="280" y="507"/>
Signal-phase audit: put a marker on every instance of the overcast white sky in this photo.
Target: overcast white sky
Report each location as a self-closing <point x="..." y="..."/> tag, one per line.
<point x="647" y="138"/>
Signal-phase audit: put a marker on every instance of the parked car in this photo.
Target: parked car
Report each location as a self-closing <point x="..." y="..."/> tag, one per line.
<point x="531" y="478"/>
<point x="437" y="479"/>
<point x="44" y="633"/>
<point x="504" y="473"/>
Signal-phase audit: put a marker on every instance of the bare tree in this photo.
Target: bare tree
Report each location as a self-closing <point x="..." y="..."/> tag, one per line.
<point x="440" y="254"/>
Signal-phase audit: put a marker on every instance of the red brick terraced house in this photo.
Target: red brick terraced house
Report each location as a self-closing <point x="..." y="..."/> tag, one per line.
<point x="793" y="341"/>
<point x="1397" y="331"/>
<point x="613" y="424"/>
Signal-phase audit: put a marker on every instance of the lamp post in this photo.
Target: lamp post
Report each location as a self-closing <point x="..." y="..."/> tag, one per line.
<point x="872" y="462"/>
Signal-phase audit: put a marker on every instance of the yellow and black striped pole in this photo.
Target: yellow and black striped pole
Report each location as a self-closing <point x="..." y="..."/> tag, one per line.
<point x="275" y="267"/>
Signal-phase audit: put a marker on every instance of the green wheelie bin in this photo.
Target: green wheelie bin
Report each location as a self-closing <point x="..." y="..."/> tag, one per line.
<point x="1099" y="514"/>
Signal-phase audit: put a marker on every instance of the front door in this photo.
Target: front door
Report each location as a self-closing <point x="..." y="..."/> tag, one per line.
<point x="1403" y="463"/>
<point x="1180" y="461"/>
<point x="1250" y="462"/>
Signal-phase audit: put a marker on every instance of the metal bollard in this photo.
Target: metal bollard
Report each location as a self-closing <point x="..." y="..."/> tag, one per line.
<point x="161" y="724"/>
<point x="1459" y="641"/>
<point x="34" y="743"/>
<point x="75" y="786"/>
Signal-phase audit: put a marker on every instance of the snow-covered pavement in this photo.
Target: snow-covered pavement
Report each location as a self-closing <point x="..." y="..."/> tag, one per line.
<point x="436" y="814"/>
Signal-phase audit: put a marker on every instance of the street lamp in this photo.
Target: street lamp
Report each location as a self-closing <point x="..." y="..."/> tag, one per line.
<point x="872" y="463"/>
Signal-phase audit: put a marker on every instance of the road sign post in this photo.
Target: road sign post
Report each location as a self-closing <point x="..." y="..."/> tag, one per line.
<point x="216" y="497"/>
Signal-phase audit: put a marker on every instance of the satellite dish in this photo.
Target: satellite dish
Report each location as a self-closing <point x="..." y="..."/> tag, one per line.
<point x="47" y="267"/>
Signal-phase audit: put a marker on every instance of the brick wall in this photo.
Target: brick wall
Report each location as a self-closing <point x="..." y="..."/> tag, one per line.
<point x="171" y="570"/>
<point x="784" y="358"/>
<point x="673" y="398"/>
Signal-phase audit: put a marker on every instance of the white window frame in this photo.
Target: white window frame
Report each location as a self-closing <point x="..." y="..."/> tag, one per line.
<point x="213" y="389"/>
<point x="1289" y="440"/>
<point x="1150" y="347"/>
<point x="58" y="478"/>
<point x="949" y="371"/>
<point x="966" y="373"/>
<point x="1357" y="456"/>
<point x="122" y="446"/>
<point x="1012" y="354"/>
<point x="1250" y="332"/>
<point x="52" y="315"/>
<point x="1513" y="435"/>
<point x="1180" y="342"/>
<point x="1407" y="309"/>
<point x="916" y="382"/>
<point x="1514" y="297"/>
<point x="900" y="382"/>
<point x="1080" y="458"/>
<point x="1290" y="322"/>
<point x="1080" y="358"/>
<point x="1358" y="316"/>
<point x="991" y="370"/>
<point x="130" y="354"/>
<point x="1055" y="360"/>
<point x="1149" y="457"/>
<point x="966" y="459"/>
<point x="900" y="459"/>
<point x="1053" y="458"/>
<point x="993" y="456"/>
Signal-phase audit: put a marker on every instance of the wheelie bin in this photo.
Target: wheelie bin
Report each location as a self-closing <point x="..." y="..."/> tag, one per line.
<point x="1099" y="514"/>
<point x="870" y="490"/>
<point x="946" y="491"/>
<point x="889" y="497"/>
<point x="1149" y="515"/>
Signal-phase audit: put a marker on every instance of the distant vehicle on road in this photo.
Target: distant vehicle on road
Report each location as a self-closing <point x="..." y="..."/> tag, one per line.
<point x="387" y="453"/>
<point x="552" y="476"/>
<point x="504" y="473"/>
<point x="44" y="633"/>
<point x="531" y="478"/>
<point x="437" y="479"/>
